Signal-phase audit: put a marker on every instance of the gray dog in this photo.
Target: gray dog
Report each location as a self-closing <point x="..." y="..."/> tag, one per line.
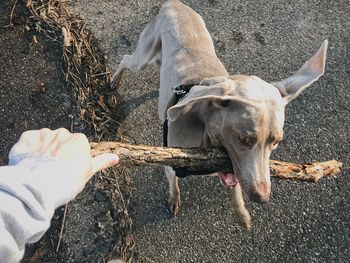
<point x="244" y="114"/>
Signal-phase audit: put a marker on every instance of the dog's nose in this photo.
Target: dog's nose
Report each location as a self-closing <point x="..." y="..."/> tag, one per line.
<point x="261" y="194"/>
<point x="259" y="198"/>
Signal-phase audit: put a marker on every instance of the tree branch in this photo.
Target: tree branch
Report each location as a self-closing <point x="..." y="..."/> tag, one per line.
<point x="208" y="159"/>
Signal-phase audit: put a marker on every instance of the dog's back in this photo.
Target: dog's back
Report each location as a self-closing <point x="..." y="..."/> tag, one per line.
<point x="187" y="50"/>
<point x="178" y="41"/>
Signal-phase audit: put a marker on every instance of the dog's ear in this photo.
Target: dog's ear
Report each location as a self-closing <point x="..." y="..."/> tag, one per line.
<point x="187" y="118"/>
<point x="186" y="127"/>
<point x="311" y="71"/>
<point x="199" y="94"/>
<point x="212" y="81"/>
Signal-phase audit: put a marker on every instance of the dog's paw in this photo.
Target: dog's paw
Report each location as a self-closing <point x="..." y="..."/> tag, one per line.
<point x="244" y="219"/>
<point x="247" y="224"/>
<point x="174" y="204"/>
<point x="117" y="77"/>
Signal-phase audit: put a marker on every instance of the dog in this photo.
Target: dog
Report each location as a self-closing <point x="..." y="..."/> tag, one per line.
<point x="243" y="114"/>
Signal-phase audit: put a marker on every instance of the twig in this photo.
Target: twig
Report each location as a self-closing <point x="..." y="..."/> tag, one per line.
<point x="62" y="227"/>
<point x="101" y="74"/>
<point x="12" y="13"/>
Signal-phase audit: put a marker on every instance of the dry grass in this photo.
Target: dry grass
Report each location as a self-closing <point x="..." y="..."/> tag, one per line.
<point x="85" y="66"/>
<point x="89" y="80"/>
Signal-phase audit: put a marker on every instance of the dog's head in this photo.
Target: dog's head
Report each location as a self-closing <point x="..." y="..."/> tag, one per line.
<point x="245" y="115"/>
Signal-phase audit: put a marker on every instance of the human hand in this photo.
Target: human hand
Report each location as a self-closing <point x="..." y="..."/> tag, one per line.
<point x="72" y="150"/>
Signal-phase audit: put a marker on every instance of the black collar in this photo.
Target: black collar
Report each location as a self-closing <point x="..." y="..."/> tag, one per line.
<point x="181" y="91"/>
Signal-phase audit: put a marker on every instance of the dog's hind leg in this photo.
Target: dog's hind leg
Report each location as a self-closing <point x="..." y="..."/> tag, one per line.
<point x="148" y="51"/>
<point x="174" y="191"/>
<point x="240" y="210"/>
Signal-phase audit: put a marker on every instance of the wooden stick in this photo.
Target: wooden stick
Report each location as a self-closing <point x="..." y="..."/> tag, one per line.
<point x="208" y="159"/>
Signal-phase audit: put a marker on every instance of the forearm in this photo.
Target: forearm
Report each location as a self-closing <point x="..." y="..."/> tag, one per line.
<point x="47" y="169"/>
<point x="29" y="195"/>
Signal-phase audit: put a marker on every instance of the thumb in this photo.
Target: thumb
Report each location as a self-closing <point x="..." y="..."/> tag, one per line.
<point x="103" y="161"/>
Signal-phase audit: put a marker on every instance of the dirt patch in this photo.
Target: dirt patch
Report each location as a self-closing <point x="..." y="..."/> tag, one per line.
<point x="48" y="82"/>
<point x="33" y="94"/>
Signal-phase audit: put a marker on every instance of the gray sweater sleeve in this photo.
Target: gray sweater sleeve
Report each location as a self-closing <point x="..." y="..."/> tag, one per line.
<point x="30" y="190"/>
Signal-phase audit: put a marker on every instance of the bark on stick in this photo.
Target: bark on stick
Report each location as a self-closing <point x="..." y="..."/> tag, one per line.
<point x="208" y="159"/>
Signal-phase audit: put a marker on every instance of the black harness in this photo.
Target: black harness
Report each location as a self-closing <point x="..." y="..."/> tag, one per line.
<point x="180" y="92"/>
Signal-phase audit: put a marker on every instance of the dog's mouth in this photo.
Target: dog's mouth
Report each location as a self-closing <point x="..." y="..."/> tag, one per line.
<point x="229" y="180"/>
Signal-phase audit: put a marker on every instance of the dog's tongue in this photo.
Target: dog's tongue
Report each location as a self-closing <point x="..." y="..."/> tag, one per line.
<point x="229" y="180"/>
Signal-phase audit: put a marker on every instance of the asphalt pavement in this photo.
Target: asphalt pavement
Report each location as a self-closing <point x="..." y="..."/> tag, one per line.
<point x="304" y="222"/>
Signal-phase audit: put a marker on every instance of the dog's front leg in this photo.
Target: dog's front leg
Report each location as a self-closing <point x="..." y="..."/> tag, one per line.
<point x="174" y="191"/>
<point x="241" y="212"/>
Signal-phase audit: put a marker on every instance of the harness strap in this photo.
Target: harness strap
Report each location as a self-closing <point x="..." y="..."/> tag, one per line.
<point x="181" y="91"/>
<point x="165" y="133"/>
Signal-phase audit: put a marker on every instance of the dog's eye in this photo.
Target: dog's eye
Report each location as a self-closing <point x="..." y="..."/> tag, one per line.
<point x="276" y="142"/>
<point x="224" y="103"/>
<point x="249" y="140"/>
<point x="220" y="103"/>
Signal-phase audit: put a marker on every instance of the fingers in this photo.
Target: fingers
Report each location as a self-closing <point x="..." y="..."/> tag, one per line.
<point x="42" y="141"/>
<point x="103" y="161"/>
<point x="50" y="140"/>
<point x="64" y="147"/>
<point x="28" y="142"/>
<point x="62" y="144"/>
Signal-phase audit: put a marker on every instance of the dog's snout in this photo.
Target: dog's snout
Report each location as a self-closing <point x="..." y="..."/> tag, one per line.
<point x="261" y="194"/>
